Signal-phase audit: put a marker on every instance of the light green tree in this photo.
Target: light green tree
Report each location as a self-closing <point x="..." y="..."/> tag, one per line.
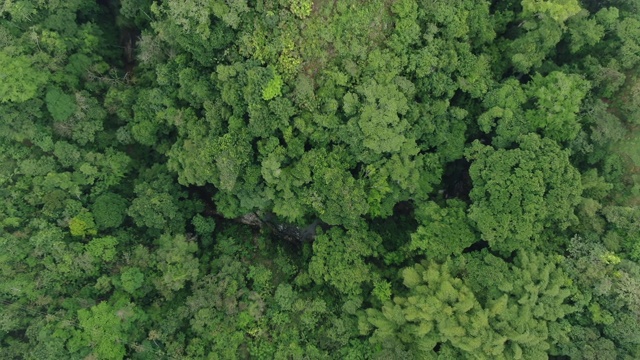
<point x="102" y="331"/>
<point x="20" y="79"/>
<point x="558" y="10"/>
<point x="460" y="312"/>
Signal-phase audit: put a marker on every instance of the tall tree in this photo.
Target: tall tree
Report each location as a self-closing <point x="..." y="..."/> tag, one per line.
<point x="519" y="194"/>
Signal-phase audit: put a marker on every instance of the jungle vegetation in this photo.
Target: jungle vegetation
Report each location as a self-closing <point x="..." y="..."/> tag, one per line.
<point x="317" y="179"/>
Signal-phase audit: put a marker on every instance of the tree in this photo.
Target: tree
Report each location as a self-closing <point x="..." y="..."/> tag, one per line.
<point x="60" y="105"/>
<point x="156" y="204"/>
<point x="339" y="259"/>
<point x="176" y="263"/>
<point x="378" y="125"/>
<point x="83" y="224"/>
<point x="557" y="97"/>
<point x="519" y="193"/>
<point x="109" y="210"/>
<point x="609" y="293"/>
<point x="528" y="301"/>
<point x="558" y="10"/>
<point x="443" y="230"/>
<point x="438" y="309"/>
<point x="516" y="314"/>
<point x="585" y="31"/>
<point x="104" y="330"/>
<point x="21" y="81"/>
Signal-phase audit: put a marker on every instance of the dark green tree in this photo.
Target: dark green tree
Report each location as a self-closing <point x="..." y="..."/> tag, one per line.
<point x="520" y="194"/>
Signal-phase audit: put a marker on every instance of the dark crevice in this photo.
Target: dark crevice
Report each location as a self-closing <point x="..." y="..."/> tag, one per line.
<point x="456" y="180"/>
<point x="264" y="221"/>
<point x="477" y="246"/>
<point x="128" y="39"/>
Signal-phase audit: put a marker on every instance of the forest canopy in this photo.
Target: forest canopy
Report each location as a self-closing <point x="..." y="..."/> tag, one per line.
<point x="315" y="179"/>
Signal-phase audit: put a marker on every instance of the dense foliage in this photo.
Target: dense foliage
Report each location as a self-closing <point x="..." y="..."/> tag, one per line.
<point x="315" y="179"/>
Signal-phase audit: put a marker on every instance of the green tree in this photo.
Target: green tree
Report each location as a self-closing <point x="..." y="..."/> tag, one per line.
<point x="83" y="224"/>
<point x="60" y="105"/>
<point x="528" y="301"/>
<point x="109" y="210"/>
<point x="558" y="10"/>
<point x="156" y="204"/>
<point x="103" y="330"/>
<point x="609" y="292"/>
<point x="520" y="193"/>
<point x="514" y="315"/>
<point x="176" y="263"/>
<point x="558" y="97"/>
<point x="443" y="230"/>
<point x="339" y="258"/>
<point x="20" y="81"/>
<point x="439" y="309"/>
